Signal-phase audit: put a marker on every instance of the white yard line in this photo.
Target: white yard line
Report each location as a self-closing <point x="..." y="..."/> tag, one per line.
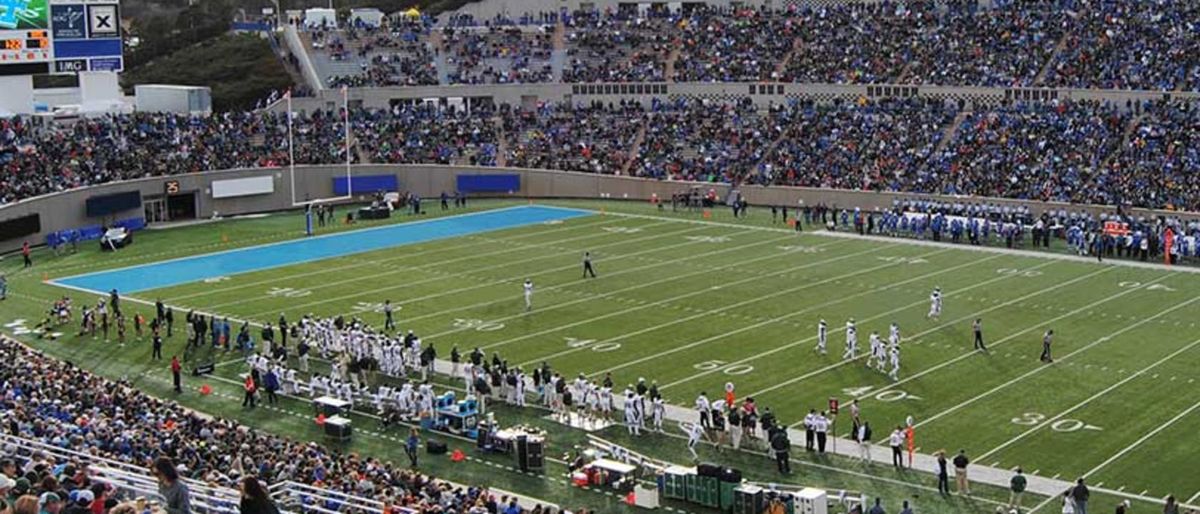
<point x="785" y="316"/>
<point x="1042" y="368"/>
<point x="392" y="259"/>
<point x="1046" y="502"/>
<point x="691" y="294"/>
<point x="516" y="247"/>
<point x="793" y="344"/>
<point x="598" y="296"/>
<point x="402" y="285"/>
<point x="1144" y="438"/>
<point x="1102" y="393"/>
<point x="1008" y="338"/>
<point x="839" y="364"/>
<point x="1194" y="497"/>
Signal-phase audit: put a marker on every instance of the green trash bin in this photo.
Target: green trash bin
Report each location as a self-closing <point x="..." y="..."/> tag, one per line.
<point x="691" y="488"/>
<point x="726" y="492"/>
<point x="674" y="482"/>
<point x="710" y="492"/>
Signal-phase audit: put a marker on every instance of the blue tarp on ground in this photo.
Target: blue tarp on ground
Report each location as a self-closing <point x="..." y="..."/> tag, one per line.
<point x="191" y="269"/>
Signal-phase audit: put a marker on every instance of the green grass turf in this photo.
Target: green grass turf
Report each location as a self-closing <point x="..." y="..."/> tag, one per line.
<point x="696" y="305"/>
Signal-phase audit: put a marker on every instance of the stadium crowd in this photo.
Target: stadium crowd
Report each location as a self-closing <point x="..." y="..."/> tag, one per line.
<point x="1068" y="43"/>
<point x="1069" y="151"/>
<point x="398" y="55"/>
<point x="59" y="404"/>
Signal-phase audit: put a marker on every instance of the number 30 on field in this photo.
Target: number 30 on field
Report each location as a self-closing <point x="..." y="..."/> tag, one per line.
<point x="731" y="369"/>
<point x="1062" y="425"/>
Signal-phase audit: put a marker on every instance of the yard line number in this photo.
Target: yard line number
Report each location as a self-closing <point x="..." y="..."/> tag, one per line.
<point x="896" y="259"/>
<point x="376" y="307"/>
<point x="1062" y="425"/>
<point x="288" y="292"/>
<point x="1130" y="284"/>
<point x="1019" y="272"/>
<point x="477" y="324"/>
<point x="726" y="368"/>
<point x="622" y="230"/>
<point x="708" y="239"/>
<point x="574" y="342"/>
<point x="887" y="395"/>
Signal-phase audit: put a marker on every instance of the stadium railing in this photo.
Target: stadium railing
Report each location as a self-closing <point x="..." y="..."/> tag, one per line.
<point x="134" y="481"/>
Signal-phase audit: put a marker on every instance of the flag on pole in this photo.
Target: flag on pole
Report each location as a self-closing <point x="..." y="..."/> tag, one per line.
<point x="346" y="121"/>
<point x="287" y="95"/>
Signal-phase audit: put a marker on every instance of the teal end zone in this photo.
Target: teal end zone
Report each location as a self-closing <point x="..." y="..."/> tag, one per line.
<point x="145" y="277"/>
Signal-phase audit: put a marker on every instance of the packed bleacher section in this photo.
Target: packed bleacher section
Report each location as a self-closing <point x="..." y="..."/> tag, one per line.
<point x="59" y="404"/>
<point x="90" y="151"/>
<point x="398" y="55"/>
<point x="619" y="47"/>
<point x="1031" y="152"/>
<point x="498" y="55"/>
<point x="1158" y="163"/>
<point x="1083" y="152"/>
<point x="1056" y="43"/>
<point x="1131" y="45"/>
<point x="424" y="133"/>
<point x="596" y="138"/>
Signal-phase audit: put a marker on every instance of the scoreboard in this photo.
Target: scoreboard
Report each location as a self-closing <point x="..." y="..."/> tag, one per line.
<point x="59" y="36"/>
<point x="24" y="35"/>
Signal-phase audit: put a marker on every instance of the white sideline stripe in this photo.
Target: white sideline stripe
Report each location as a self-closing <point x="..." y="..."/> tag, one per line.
<point x="1103" y="392"/>
<point x="391" y="259"/>
<point x="844" y="298"/>
<point x="841" y="363"/>
<point x="468" y="288"/>
<point x="919" y="242"/>
<point x="1194" y="497"/>
<point x="1045" y="502"/>
<point x="323" y="236"/>
<point x="1143" y="439"/>
<point x="695" y="293"/>
<point x="785" y="316"/>
<point x="622" y="290"/>
<point x="517" y="247"/>
<point x="1042" y="368"/>
<point x="1007" y="338"/>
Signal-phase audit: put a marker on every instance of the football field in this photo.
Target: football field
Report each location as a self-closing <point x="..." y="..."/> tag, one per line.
<point x="694" y="302"/>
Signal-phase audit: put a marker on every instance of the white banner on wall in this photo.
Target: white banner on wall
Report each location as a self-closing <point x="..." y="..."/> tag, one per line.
<point x="243" y="187"/>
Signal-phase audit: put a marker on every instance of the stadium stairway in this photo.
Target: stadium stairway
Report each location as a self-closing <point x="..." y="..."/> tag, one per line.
<point x="634" y="148"/>
<point x="669" y="66"/>
<point x="951" y="130"/>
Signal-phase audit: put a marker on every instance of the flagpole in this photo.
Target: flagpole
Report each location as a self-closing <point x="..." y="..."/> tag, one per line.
<point x="346" y="113"/>
<point x="291" y="147"/>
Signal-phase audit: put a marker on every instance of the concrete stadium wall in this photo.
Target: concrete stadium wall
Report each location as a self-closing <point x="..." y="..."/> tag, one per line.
<point x="61" y="211"/>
